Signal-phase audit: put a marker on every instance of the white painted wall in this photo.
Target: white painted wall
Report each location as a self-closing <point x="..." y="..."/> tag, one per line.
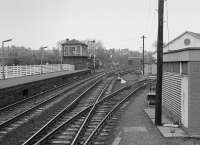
<point x="184" y="101"/>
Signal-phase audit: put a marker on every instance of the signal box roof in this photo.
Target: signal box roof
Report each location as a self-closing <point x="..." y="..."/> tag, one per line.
<point x="72" y="42"/>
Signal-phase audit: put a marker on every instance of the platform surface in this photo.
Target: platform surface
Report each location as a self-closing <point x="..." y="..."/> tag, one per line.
<point x="166" y="131"/>
<point x="11" y="82"/>
<point x="136" y="128"/>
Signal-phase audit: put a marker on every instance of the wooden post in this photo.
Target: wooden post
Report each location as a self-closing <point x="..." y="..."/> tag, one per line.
<point x="143" y="37"/>
<point x="158" y="109"/>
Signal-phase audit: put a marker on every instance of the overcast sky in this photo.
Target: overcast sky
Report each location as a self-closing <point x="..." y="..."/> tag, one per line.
<point x="117" y="23"/>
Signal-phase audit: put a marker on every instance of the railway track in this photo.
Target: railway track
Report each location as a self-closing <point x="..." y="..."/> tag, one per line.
<point x="101" y="133"/>
<point x="13" y="110"/>
<point x="25" y="102"/>
<point x="81" y="125"/>
<point x="11" y="125"/>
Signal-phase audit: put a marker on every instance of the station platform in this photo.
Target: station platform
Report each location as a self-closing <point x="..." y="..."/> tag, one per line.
<point x="27" y="79"/>
<point x="136" y="127"/>
<point x="16" y="89"/>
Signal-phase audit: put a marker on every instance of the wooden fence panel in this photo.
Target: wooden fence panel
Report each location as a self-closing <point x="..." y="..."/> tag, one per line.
<point x="27" y="70"/>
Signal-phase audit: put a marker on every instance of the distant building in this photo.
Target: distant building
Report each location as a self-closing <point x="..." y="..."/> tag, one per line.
<point x="75" y="53"/>
<point x="135" y="62"/>
<point x="124" y="51"/>
<point x="150" y="67"/>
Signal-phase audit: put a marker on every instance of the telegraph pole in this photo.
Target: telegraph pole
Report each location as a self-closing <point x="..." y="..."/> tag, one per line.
<point x="143" y="37"/>
<point x="158" y="109"/>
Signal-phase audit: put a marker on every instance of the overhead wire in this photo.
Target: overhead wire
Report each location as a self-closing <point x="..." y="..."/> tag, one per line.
<point x="167" y="17"/>
<point x="148" y="16"/>
<point x="153" y="25"/>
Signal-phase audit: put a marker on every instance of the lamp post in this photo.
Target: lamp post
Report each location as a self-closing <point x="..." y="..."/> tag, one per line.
<point x="42" y="56"/>
<point x="3" y="58"/>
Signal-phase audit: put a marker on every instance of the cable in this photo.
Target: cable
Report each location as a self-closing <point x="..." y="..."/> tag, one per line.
<point x="168" y="34"/>
<point x="147" y="16"/>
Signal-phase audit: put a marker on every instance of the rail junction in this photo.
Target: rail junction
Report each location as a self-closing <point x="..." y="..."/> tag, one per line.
<point x="80" y="111"/>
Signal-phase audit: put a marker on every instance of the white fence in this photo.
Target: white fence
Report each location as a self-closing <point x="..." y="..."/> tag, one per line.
<point x="150" y="69"/>
<point x="26" y="70"/>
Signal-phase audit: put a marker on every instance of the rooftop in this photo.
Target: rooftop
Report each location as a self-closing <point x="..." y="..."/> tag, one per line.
<point x="196" y="35"/>
<point x="72" y="42"/>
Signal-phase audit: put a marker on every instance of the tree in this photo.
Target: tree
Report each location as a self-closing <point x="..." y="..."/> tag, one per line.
<point x="19" y="55"/>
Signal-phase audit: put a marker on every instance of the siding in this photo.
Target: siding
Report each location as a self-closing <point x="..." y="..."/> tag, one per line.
<point x="171" y="93"/>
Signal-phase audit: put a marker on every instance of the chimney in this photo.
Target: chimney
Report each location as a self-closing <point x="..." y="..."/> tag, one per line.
<point x="67" y="39"/>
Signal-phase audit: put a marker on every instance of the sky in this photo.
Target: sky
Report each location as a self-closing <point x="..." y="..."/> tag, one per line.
<point x="117" y="23"/>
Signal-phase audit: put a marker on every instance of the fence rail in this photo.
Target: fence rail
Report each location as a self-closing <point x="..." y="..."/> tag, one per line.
<point x="27" y="70"/>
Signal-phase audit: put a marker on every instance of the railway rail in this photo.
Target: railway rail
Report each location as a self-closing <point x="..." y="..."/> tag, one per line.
<point x="101" y="132"/>
<point x="10" y="123"/>
<point x="46" y="92"/>
<point x="84" y="124"/>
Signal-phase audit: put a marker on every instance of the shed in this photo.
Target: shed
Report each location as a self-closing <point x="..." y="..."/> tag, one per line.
<point x="181" y="81"/>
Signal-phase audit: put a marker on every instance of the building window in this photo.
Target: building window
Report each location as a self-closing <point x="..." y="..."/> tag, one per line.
<point x="85" y="51"/>
<point x="176" y="67"/>
<point x="71" y="51"/>
<point x="78" y="51"/>
<point x="171" y="67"/>
<point x="184" y="67"/>
<point x="65" y="51"/>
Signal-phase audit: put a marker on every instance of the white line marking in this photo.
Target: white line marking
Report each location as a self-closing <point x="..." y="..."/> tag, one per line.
<point x="116" y="141"/>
